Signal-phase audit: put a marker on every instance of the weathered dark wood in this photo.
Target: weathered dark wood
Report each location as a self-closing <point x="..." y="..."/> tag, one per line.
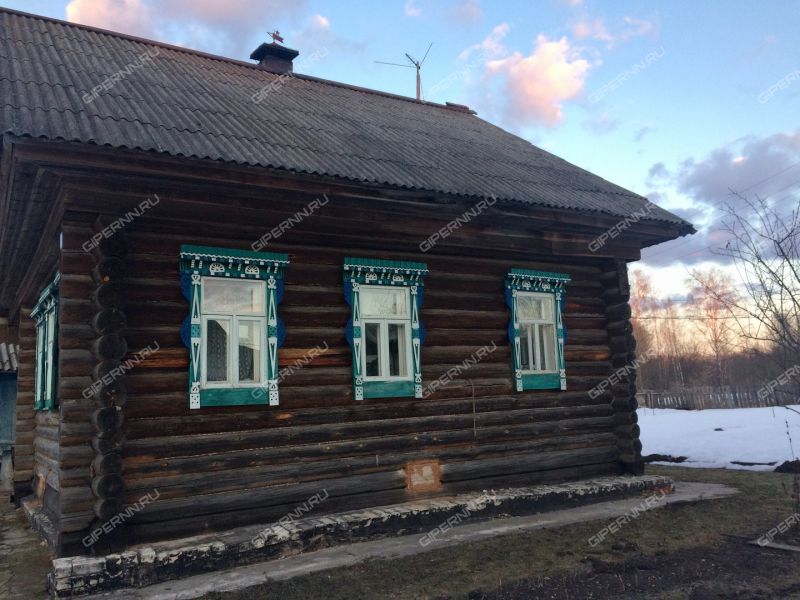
<point x="108" y="321"/>
<point x="111" y="346"/>
<point x="107" y="418"/>
<point x="108" y="463"/>
<point x="229" y="466"/>
<point x="108" y="486"/>
<point x="110" y="295"/>
<point x="109" y="268"/>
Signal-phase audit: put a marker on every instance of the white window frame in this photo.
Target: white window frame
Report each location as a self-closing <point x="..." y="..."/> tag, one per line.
<point x="233" y="345"/>
<point x="383" y="337"/>
<point x="533" y="344"/>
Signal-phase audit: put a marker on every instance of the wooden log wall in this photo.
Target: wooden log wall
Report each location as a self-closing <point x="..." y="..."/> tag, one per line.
<point x="77" y="309"/>
<point x="623" y="362"/>
<point x="26" y="416"/>
<point x="226" y="466"/>
<point x="109" y="387"/>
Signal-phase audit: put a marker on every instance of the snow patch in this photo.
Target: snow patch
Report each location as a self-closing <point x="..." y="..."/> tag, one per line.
<point x="749" y="435"/>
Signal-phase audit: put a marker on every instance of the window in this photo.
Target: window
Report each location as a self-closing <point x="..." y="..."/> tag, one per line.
<point x="233" y="331"/>
<point x="233" y="337"/>
<point x="45" y="314"/>
<point x="385" y="332"/>
<point x="535" y="314"/>
<point x="536" y="330"/>
<point x="386" y="320"/>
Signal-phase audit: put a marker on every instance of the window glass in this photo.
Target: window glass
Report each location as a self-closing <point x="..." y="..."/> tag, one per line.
<point x="384" y="302"/>
<point x="249" y="351"/>
<point x="536" y="314"/>
<point x="229" y="296"/>
<point x="48" y="355"/>
<point x="529" y="307"/>
<point x="39" y="362"/>
<point x="371" y="348"/>
<point x="217" y="336"/>
<point x="525" y="345"/>
<point x="534" y="308"/>
<point x="397" y="350"/>
<point x="547" y="347"/>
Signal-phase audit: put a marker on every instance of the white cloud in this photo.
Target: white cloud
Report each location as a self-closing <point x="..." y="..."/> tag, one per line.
<point x="768" y="167"/>
<point x="127" y="16"/>
<point x="230" y="26"/>
<point x="536" y="86"/>
<point x="601" y="122"/>
<point x="596" y="28"/>
<point x="411" y="9"/>
<point x="467" y="11"/>
<point x="317" y="38"/>
<point x="492" y="46"/>
<point x="320" y="22"/>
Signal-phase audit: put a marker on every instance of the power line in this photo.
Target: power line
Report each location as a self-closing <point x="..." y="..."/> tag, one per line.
<point x="771" y="177"/>
<point x="688" y="318"/>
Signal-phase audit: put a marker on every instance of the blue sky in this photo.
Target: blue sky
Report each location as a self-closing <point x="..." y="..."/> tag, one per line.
<point x="677" y="100"/>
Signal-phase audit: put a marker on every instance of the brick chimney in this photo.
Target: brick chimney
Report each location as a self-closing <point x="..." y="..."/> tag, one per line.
<point x="274" y="57"/>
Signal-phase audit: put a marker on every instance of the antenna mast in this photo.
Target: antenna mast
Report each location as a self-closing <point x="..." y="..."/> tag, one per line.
<point x="416" y="64"/>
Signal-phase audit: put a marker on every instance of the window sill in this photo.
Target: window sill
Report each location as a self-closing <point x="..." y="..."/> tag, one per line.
<point x="541" y="381"/>
<point x="233" y="396"/>
<point x="388" y="389"/>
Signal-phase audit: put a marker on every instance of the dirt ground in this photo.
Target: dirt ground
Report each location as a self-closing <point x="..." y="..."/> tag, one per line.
<point x="24" y="560"/>
<point x="697" y="551"/>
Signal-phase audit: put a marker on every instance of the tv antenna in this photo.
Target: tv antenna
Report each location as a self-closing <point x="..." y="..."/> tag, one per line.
<point x="415" y="64"/>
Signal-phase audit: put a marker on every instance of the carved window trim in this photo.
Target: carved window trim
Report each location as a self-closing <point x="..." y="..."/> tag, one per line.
<point x="199" y="262"/>
<point x="45" y="314"/>
<point x="517" y="283"/>
<point x="360" y="272"/>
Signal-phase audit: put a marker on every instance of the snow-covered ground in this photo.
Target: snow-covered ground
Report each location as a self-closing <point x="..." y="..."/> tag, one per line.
<point x="754" y="435"/>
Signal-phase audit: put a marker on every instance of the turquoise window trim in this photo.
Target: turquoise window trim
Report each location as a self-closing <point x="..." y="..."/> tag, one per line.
<point x="524" y="280"/>
<point x="44" y="313"/>
<point x="389" y="389"/>
<point x="242" y="396"/>
<point x="197" y="262"/>
<point x="380" y="272"/>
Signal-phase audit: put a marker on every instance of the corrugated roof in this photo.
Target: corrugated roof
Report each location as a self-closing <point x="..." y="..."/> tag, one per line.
<point x="185" y="103"/>
<point x="8" y="357"/>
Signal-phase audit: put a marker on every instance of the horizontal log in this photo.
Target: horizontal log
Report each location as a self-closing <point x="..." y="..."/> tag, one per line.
<point x="258" y="498"/>
<point x="476" y="469"/>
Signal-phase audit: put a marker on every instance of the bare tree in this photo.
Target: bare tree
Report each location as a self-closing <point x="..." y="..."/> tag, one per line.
<point x="643" y="306"/>
<point x="673" y="342"/>
<point x="765" y="247"/>
<point x="711" y="294"/>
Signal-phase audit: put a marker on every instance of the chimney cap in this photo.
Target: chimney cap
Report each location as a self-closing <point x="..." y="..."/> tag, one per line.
<point x="273" y="50"/>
